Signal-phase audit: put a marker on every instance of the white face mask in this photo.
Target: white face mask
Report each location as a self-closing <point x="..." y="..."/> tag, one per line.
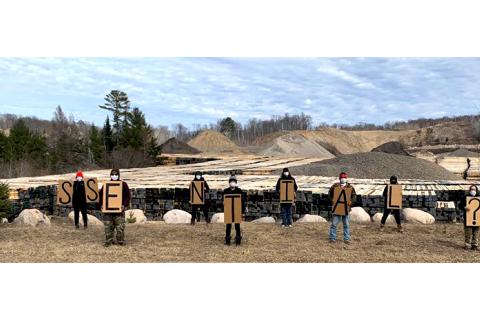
<point x="79" y="179"/>
<point x="114" y="177"/>
<point x="286" y="174"/>
<point x="233" y="184"/>
<point x="343" y="181"/>
<point x="473" y="193"/>
<point x="198" y="177"/>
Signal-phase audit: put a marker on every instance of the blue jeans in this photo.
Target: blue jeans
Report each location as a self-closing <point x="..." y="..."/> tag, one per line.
<point x="286" y="211"/>
<point x="346" y="227"/>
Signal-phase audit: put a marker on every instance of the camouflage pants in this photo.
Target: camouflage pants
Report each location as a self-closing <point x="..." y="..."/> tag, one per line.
<point x="114" y="222"/>
<point x="471" y="236"/>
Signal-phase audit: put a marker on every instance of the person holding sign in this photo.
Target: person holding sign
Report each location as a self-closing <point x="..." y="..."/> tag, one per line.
<point x="114" y="199"/>
<point x="198" y="191"/>
<point x="234" y="205"/>
<point x="470" y="205"/>
<point x="343" y="197"/>
<point x="392" y="194"/>
<point x="79" y="200"/>
<point x="286" y="187"/>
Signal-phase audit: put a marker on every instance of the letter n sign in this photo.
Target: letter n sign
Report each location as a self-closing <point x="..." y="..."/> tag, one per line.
<point x="197" y="192"/>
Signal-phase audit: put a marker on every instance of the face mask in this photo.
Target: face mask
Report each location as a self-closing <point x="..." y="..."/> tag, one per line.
<point x="286" y="174"/>
<point x="198" y="177"/>
<point x="114" y="177"/>
<point x="473" y="193"/>
<point x="233" y="184"/>
<point x="79" y="179"/>
<point x="343" y="181"/>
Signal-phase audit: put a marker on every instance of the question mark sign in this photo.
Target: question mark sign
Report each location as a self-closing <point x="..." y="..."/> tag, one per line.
<point x="474" y="220"/>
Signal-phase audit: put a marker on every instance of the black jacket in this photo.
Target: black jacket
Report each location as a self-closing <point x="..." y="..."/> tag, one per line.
<point x="462" y="205"/>
<point x="277" y="187"/>
<point x="385" y="198"/>
<point x="207" y="188"/>
<point x="79" y="197"/>
<point x="237" y="190"/>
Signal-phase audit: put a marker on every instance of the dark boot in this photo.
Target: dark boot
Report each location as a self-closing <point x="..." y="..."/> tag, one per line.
<point x="238" y="241"/>
<point x="77" y="226"/>
<point x="192" y="222"/>
<point x="227" y="241"/>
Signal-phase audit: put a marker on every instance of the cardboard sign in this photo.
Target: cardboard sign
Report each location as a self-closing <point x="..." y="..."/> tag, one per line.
<point x="394" y="196"/>
<point x="91" y="190"/>
<point x="64" y="193"/>
<point x="232" y="208"/>
<point x="112" y="197"/>
<point x="472" y="217"/>
<point x="287" y="191"/>
<point x="341" y="201"/>
<point x="197" y="192"/>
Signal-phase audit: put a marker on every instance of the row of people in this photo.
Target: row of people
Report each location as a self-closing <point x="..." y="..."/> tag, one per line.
<point x="115" y="223"/>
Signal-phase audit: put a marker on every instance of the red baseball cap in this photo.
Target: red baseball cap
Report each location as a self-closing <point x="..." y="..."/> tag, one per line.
<point x="343" y="175"/>
<point x="79" y="174"/>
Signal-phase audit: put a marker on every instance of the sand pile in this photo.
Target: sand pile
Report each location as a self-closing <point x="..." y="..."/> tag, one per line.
<point x="294" y="144"/>
<point x="173" y="145"/>
<point x="463" y="153"/>
<point x="393" y="147"/>
<point x="376" y="165"/>
<point x="213" y="142"/>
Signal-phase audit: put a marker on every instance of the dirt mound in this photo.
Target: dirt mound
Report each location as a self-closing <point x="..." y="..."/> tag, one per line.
<point x="338" y="141"/>
<point x="376" y="165"/>
<point x="294" y="144"/>
<point x="463" y="153"/>
<point x="214" y="142"/>
<point x="393" y="147"/>
<point x="173" y="145"/>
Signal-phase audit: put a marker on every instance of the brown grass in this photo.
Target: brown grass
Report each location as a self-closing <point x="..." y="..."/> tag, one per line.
<point x="157" y="242"/>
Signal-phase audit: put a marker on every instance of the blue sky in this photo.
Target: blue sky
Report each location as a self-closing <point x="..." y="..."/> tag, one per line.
<point x="202" y="90"/>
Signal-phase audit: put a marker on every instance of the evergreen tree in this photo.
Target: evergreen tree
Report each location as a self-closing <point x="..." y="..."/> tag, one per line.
<point x="5" y="204"/>
<point x="228" y="126"/>
<point x="95" y="145"/>
<point x="107" y="135"/>
<point x="118" y="103"/>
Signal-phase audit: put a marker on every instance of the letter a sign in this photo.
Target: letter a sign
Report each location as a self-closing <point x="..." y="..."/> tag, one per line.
<point x="341" y="200"/>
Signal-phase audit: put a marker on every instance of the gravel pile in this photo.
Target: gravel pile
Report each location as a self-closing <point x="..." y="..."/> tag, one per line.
<point x="376" y="165"/>
<point x="173" y="145"/>
<point x="393" y="147"/>
<point x="463" y="153"/>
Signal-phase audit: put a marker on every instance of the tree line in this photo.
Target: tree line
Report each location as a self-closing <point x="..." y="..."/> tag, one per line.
<point x="32" y="147"/>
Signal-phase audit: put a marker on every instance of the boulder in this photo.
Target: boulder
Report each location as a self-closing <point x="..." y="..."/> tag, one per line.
<point x="264" y="220"/>
<point x="377" y="218"/>
<point x="135" y="216"/>
<point x="92" y="220"/>
<point x="311" y="218"/>
<point x="417" y="216"/>
<point x="3" y="221"/>
<point x="32" y="217"/>
<point x="217" y="218"/>
<point x="359" y="215"/>
<point x="177" y="216"/>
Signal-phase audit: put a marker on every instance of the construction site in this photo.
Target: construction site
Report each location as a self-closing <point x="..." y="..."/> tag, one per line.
<point x="434" y="177"/>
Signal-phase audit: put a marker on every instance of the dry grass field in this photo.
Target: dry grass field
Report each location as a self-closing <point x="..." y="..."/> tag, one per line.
<point x="158" y="242"/>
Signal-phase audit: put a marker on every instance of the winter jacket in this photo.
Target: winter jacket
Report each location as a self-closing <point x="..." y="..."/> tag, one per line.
<point x="277" y="187"/>
<point x="79" y="197"/>
<point x="237" y="190"/>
